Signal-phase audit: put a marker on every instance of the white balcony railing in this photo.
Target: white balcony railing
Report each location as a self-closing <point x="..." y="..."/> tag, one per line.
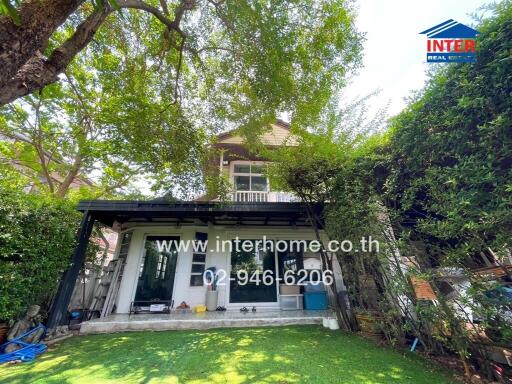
<point x="283" y="197"/>
<point x="250" y="197"/>
<point x="263" y="197"/>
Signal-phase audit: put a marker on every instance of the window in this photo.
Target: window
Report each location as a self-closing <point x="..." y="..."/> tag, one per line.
<point x="161" y="267"/>
<point x="198" y="268"/>
<point x="250" y="177"/>
<point x="290" y="262"/>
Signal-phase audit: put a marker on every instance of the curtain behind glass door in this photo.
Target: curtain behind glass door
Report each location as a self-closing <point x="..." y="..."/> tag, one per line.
<point x="254" y="262"/>
<point x="157" y="269"/>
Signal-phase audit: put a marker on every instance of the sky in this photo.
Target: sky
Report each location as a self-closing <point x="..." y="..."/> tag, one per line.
<point x="394" y="52"/>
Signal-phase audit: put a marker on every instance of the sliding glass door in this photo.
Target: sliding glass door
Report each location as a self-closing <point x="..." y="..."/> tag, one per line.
<point x="247" y="281"/>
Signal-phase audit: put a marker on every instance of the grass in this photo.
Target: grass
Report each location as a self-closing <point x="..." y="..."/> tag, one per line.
<point x="296" y="354"/>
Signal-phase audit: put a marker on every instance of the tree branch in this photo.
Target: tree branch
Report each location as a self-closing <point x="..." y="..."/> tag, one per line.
<point x="185" y="5"/>
<point x="227" y="23"/>
<point x="121" y="183"/>
<point x="178" y="69"/>
<point x="164" y="6"/>
<point x="170" y="24"/>
<point x="39" y="71"/>
<point x="70" y="177"/>
<point x="87" y="119"/>
<point x="39" y="20"/>
<point x="38" y="144"/>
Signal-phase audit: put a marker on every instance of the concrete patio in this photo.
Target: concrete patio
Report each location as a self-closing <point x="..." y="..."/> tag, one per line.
<point x="174" y="321"/>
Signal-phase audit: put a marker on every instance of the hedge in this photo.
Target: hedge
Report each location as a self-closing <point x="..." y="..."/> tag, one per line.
<point x="37" y="238"/>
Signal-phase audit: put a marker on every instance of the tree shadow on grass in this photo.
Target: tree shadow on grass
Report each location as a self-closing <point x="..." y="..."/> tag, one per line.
<point x="298" y="354"/>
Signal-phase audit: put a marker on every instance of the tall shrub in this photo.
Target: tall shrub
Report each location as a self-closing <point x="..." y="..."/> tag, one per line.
<point x="442" y="179"/>
<point x="37" y="238"/>
<point x="451" y="172"/>
<point x="450" y="183"/>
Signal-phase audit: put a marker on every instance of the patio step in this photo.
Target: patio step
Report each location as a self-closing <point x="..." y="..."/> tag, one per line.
<point x="208" y="320"/>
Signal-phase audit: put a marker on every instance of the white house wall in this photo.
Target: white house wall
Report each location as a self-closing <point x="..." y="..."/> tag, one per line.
<point x="221" y="260"/>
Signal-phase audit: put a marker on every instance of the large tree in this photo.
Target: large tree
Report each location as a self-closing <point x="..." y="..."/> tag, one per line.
<point x="279" y="51"/>
<point x="152" y="84"/>
<point x="108" y="126"/>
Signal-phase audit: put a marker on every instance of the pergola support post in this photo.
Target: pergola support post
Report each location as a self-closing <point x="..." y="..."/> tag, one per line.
<point x="60" y="304"/>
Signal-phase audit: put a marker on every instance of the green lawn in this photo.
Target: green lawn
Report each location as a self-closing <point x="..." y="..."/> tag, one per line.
<point x="298" y="354"/>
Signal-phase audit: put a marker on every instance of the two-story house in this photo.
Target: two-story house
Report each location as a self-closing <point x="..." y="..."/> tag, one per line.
<point x="162" y="267"/>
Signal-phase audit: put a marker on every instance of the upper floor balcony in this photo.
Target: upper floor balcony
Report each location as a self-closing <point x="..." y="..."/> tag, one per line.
<point x="263" y="197"/>
<point x="251" y="184"/>
<point x="246" y="170"/>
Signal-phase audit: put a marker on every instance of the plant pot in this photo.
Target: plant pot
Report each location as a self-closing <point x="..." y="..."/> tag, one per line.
<point x="333" y="324"/>
<point x="212" y="299"/>
<point x="4" y="329"/>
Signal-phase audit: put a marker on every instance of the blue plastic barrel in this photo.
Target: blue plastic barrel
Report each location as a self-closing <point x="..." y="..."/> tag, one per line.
<point x="315" y="300"/>
<point x="310" y="287"/>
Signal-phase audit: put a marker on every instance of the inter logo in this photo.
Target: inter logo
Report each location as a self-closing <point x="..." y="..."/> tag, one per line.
<point x="451" y="42"/>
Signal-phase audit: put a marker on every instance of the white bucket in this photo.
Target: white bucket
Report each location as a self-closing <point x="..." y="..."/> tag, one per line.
<point x="325" y="322"/>
<point x="333" y="324"/>
<point x="212" y="298"/>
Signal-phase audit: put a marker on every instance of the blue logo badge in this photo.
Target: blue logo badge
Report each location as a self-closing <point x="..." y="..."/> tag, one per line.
<point x="451" y="42"/>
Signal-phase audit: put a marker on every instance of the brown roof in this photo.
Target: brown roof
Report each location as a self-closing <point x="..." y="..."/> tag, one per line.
<point x="224" y="135"/>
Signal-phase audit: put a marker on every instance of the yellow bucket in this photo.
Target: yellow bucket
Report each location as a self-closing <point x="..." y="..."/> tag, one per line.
<point x="200" y="308"/>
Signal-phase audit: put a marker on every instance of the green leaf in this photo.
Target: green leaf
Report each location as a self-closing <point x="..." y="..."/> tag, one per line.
<point x="114" y="4"/>
<point x="11" y="11"/>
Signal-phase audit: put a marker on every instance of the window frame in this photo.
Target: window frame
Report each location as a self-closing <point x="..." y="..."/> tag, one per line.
<point x="249" y="174"/>
<point x="203" y="263"/>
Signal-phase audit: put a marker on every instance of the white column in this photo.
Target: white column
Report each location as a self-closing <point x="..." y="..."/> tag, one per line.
<point x="130" y="273"/>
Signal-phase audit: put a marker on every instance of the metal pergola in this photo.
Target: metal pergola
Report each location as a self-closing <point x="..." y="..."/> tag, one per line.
<point x="124" y="212"/>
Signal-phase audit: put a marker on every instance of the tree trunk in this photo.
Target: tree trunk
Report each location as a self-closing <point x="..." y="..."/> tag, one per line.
<point x="39" y="20"/>
<point x="70" y="177"/>
<point x="340" y="308"/>
<point x="24" y="66"/>
<point x="40" y="71"/>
